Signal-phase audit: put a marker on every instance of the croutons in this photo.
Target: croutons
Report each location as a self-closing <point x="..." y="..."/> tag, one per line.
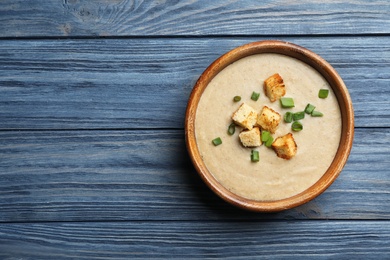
<point x="268" y="119"/>
<point x="250" y="138"/>
<point x="245" y="116"/>
<point x="285" y="146"/>
<point x="274" y="87"/>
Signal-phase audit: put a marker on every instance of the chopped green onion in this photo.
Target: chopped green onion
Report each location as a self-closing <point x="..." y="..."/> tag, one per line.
<point x="266" y="138"/>
<point x="296" y="126"/>
<point x="236" y="98"/>
<point x="232" y="129"/>
<point x="323" y="93"/>
<point x="255" y="96"/>
<point x="298" y="116"/>
<point x="217" y="141"/>
<point x="309" y="108"/>
<point x="287" y="102"/>
<point x="288" y="117"/>
<point x="269" y="142"/>
<point x="255" y="156"/>
<point x="265" y="135"/>
<point x="316" y="113"/>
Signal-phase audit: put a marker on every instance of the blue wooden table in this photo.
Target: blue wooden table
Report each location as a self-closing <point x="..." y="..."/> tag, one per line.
<point x="93" y="162"/>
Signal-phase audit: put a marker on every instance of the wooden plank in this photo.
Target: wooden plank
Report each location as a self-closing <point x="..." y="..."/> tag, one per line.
<point x="43" y="18"/>
<point x="147" y="175"/>
<point x="145" y="83"/>
<point x="189" y="240"/>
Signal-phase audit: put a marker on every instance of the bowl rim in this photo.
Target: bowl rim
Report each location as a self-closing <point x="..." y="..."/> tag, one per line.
<point x="343" y="98"/>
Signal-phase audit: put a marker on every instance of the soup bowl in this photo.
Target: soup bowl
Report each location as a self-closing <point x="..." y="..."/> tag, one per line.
<point x="308" y="58"/>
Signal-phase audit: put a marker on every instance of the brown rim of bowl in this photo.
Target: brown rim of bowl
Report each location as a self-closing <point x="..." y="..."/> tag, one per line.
<point x="343" y="98"/>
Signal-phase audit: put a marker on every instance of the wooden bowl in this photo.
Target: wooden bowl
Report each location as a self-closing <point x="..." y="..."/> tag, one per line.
<point x="347" y="117"/>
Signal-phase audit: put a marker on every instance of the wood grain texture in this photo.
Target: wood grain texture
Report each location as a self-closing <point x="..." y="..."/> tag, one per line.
<point x="93" y="163"/>
<point x="189" y="240"/>
<point x="147" y="175"/>
<point x="145" y="83"/>
<point x="43" y="18"/>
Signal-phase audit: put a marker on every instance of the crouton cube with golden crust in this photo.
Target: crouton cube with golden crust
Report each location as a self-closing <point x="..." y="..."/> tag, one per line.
<point x="274" y="87"/>
<point x="268" y="119"/>
<point x="285" y="146"/>
<point x="250" y="138"/>
<point x="245" y="116"/>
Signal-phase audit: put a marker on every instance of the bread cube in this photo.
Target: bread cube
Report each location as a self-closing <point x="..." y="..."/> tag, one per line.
<point x="274" y="87"/>
<point x="250" y="138"/>
<point x="285" y="146"/>
<point x="268" y="119"/>
<point x="245" y="116"/>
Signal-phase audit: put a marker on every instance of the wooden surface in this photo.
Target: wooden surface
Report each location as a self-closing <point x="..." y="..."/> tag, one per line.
<point x="93" y="162"/>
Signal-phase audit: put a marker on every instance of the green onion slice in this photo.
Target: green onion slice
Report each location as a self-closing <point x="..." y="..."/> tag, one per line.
<point x="316" y="113"/>
<point x="265" y="135"/>
<point x="217" y="141"/>
<point x="288" y="117"/>
<point x="255" y="156"/>
<point x="255" y="96"/>
<point x="323" y="93"/>
<point x="232" y="129"/>
<point x="298" y="116"/>
<point x="309" y="108"/>
<point x="236" y="98"/>
<point x="269" y="142"/>
<point x="267" y="138"/>
<point x="296" y="126"/>
<point x="287" y="102"/>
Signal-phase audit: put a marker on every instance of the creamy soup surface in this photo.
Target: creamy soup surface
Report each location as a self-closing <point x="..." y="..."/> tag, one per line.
<point x="272" y="178"/>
